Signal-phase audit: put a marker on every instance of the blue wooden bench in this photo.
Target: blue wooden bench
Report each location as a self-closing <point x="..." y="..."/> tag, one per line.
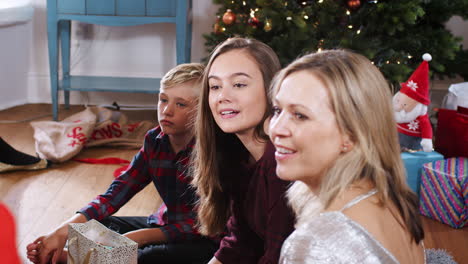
<point x="60" y="13"/>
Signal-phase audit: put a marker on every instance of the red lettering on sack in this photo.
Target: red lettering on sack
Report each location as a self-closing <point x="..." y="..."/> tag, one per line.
<point x="132" y="127"/>
<point x="95" y="133"/>
<point x="73" y="143"/>
<point x="117" y="130"/>
<point x="110" y="131"/>
<point x="77" y="137"/>
<point x="106" y="131"/>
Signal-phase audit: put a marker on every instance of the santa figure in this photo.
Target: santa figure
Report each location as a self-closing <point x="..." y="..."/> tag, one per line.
<point x="410" y="105"/>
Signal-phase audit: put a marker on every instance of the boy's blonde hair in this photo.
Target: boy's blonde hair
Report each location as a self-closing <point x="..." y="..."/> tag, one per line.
<point x="183" y="73"/>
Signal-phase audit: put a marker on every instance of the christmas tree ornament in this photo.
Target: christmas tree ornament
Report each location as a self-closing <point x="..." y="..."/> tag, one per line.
<point x="267" y="26"/>
<point x="216" y="28"/>
<point x="353" y="4"/>
<point x="293" y="21"/>
<point x="229" y="17"/>
<point x="254" y="22"/>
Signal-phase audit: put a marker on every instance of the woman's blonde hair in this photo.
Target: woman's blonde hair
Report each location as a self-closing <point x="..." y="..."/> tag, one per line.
<point x="361" y="100"/>
<point x="217" y="157"/>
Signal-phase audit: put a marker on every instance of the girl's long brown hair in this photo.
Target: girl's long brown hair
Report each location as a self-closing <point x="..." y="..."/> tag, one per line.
<point x="217" y="157"/>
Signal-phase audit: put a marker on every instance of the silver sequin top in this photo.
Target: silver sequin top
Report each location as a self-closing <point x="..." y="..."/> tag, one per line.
<point x="332" y="237"/>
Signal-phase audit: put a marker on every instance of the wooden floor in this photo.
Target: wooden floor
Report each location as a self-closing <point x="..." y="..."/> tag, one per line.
<point x="42" y="199"/>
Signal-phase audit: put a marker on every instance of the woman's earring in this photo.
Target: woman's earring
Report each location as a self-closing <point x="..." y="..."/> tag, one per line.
<point x="345" y="147"/>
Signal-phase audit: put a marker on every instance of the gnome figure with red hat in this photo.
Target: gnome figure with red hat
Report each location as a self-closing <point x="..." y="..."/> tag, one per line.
<point x="410" y="105"/>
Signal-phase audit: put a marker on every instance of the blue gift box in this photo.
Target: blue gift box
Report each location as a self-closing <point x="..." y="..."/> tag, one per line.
<point x="413" y="164"/>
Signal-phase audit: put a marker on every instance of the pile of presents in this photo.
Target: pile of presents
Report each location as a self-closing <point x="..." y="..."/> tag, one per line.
<point x="440" y="177"/>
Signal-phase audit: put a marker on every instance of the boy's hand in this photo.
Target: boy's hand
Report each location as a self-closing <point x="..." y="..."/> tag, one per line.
<point x="52" y="247"/>
<point x="147" y="236"/>
<point x="48" y="248"/>
<point x="135" y="236"/>
<point x="32" y="250"/>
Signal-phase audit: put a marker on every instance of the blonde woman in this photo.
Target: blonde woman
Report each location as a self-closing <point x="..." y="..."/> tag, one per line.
<point x="234" y="169"/>
<point x="334" y="133"/>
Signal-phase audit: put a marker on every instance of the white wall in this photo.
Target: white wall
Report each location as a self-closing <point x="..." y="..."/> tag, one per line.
<point x="459" y="27"/>
<point x="136" y="51"/>
<point x="14" y="55"/>
<point x="146" y="51"/>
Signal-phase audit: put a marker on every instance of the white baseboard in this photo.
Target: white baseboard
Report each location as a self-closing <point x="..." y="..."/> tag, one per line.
<point x="5" y="105"/>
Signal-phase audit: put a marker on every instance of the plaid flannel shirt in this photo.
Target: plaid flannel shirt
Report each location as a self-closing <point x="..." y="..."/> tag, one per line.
<point x="158" y="163"/>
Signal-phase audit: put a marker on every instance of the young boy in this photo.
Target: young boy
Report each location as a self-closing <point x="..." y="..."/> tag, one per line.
<point x="169" y="235"/>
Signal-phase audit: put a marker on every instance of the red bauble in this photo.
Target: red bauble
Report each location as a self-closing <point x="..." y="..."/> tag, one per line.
<point x="229" y="17"/>
<point x="353" y="4"/>
<point x="254" y="22"/>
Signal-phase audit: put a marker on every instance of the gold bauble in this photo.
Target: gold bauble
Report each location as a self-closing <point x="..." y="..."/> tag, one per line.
<point x="267" y="26"/>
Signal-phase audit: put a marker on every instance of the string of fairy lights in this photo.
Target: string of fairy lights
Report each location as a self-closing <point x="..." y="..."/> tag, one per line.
<point x="252" y="19"/>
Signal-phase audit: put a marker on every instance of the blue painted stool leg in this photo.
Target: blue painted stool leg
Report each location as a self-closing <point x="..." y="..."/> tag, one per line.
<point x="188" y="39"/>
<point x="65" y="49"/>
<point x="181" y="31"/>
<point x="52" y="35"/>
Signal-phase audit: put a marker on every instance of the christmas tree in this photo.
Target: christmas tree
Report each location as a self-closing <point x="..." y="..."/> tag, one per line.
<point x="393" y="34"/>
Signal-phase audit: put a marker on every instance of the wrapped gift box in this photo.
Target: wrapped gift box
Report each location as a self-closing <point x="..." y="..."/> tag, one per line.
<point x="444" y="191"/>
<point x="413" y="164"/>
